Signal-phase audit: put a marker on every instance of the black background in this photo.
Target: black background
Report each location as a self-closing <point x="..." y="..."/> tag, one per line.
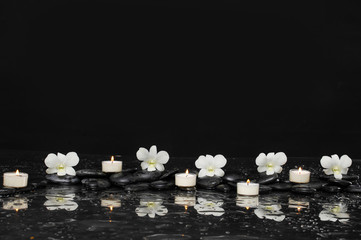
<point x="230" y="77"/>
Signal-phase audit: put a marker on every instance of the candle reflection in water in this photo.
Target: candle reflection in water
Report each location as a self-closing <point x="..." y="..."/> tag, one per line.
<point x="16" y="203"/>
<point x="247" y="201"/>
<point x="298" y="204"/>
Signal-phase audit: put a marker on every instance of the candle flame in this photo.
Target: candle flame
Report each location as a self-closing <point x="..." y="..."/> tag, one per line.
<point x="187" y="172"/>
<point x="112" y="159"/>
<point x="248" y="181"/>
<point x="17" y="172"/>
<point x="299" y="170"/>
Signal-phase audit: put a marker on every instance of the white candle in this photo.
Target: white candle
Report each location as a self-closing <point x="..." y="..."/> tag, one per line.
<point x="247" y="201"/>
<point x="185" y="179"/>
<point x="299" y="175"/>
<point x="247" y="188"/>
<point x="112" y="166"/>
<point x="15" y="179"/>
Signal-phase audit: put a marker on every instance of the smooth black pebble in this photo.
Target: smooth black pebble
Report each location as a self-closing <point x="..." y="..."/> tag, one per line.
<point x="331" y="189"/>
<point x="281" y="186"/>
<point x="209" y="182"/>
<point x="339" y="182"/>
<point x="161" y="185"/>
<point x="303" y="190"/>
<point x="90" y="173"/>
<point x="267" y="179"/>
<point x="264" y="189"/>
<point x="136" y="187"/>
<point x="66" y="180"/>
<point x="224" y="188"/>
<point x="353" y="189"/>
<point x="233" y="177"/>
<point x="121" y="179"/>
<point x="168" y="174"/>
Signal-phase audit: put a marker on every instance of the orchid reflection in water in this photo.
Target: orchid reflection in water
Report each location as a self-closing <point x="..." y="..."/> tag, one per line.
<point x="209" y="206"/>
<point x="151" y="207"/>
<point x="334" y="212"/>
<point x="59" y="198"/>
<point x="269" y="208"/>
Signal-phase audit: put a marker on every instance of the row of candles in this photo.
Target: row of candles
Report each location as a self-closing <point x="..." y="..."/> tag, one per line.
<point x="182" y="180"/>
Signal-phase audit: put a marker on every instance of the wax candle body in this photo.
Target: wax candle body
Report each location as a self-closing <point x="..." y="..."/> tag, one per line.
<point x="11" y="179"/>
<point x="112" y="166"/>
<point x="185" y="180"/>
<point x="247" y="189"/>
<point x="299" y="176"/>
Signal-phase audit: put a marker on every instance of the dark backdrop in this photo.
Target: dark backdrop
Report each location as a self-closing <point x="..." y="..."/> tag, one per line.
<point x="231" y="77"/>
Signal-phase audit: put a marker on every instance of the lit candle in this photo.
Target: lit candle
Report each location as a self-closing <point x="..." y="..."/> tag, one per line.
<point x="185" y="179"/>
<point x="112" y="166"/>
<point x="15" y="179"/>
<point x="247" y="188"/>
<point x="299" y="175"/>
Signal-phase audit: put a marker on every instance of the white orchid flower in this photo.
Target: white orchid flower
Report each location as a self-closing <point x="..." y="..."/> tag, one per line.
<point x="209" y="207"/>
<point x="211" y="166"/>
<point x="271" y="163"/>
<point x="60" y="201"/>
<point x="152" y="160"/>
<point x="151" y="208"/>
<point x="335" y="165"/>
<point x="334" y="212"/>
<point x="271" y="212"/>
<point x="61" y="164"/>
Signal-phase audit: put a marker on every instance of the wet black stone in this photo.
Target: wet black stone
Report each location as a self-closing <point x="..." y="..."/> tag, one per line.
<point x="25" y="189"/>
<point x="264" y="189"/>
<point x="303" y="190"/>
<point x="344" y="177"/>
<point x="7" y="191"/>
<point x="281" y="186"/>
<point x="129" y="170"/>
<point x="162" y="185"/>
<point x="168" y="174"/>
<point x="331" y="189"/>
<point x="267" y="179"/>
<point x="232" y="184"/>
<point x="209" y="182"/>
<point x="66" y="180"/>
<point x="339" y="182"/>
<point x="146" y="176"/>
<point x="96" y="183"/>
<point x="353" y="189"/>
<point x="136" y="187"/>
<point x="90" y="173"/>
<point x="224" y="188"/>
<point x="41" y="184"/>
<point x="233" y="177"/>
<point x="315" y="185"/>
<point x="121" y="179"/>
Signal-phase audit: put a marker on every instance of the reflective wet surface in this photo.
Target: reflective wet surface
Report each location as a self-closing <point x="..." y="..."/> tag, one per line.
<point x="74" y="212"/>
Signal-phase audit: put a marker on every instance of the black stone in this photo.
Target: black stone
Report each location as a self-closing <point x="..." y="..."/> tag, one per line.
<point x="331" y="189"/>
<point x="162" y="185"/>
<point x="96" y="183"/>
<point x="121" y="179"/>
<point x="315" y="185"/>
<point x="224" y="188"/>
<point x="167" y="174"/>
<point x="136" y="187"/>
<point x="232" y="184"/>
<point x="129" y="170"/>
<point x="233" y="177"/>
<point x="90" y="173"/>
<point x="339" y="182"/>
<point x="281" y="186"/>
<point x="264" y="189"/>
<point x="66" y="180"/>
<point x="303" y="190"/>
<point x="24" y="189"/>
<point x="7" y="191"/>
<point x="146" y="176"/>
<point x="268" y="179"/>
<point x="353" y="189"/>
<point x="209" y="182"/>
<point x="344" y="177"/>
<point x="41" y="184"/>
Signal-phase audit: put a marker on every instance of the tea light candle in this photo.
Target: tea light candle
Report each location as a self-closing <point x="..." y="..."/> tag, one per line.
<point x="247" y="188"/>
<point x="15" y="179"/>
<point x="185" y="179"/>
<point x="299" y="175"/>
<point x="112" y="166"/>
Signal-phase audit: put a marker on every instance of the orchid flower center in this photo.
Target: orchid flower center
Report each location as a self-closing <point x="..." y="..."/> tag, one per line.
<point x="210" y="204"/>
<point x="61" y="167"/>
<point x="269" y="208"/>
<point x="152" y="162"/>
<point x="59" y="199"/>
<point x="269" y="165"/>
<point x="336" y="169"/>
<point x="151" y="204"/>
<point x="210" y="169"/>
<point x="336" y="209"/>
